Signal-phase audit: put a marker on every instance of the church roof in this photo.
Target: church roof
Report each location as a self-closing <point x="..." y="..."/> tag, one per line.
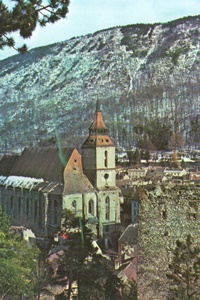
<point x="6" y="164"/>
<point x="98" y="131"/>
<point x="42" y="162"/>
<point x="98" y="122"/>
<point x="76" y="182"/>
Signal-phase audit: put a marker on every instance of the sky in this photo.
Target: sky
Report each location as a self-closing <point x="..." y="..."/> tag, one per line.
<point x="88" y="16"/>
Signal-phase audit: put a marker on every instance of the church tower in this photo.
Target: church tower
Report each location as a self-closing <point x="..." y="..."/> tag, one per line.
<point x="98" y="159"/>
<point x="98" y="153"/>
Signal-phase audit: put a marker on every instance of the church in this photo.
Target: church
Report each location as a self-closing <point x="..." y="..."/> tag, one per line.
<point x="36" y="186"/>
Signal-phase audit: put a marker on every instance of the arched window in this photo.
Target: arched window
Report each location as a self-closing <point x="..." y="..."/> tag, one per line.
<point x="27" y="207"/>
<point x="107" y="208"/>
<point x="19" y="205"/>
<point x="55" y="212"/>
<point x="74" y="204"/>
<point x="11" y="202"/>
<point x="91" y="207"/>
<point x="106" y="159"/>
<point x="35" y="211"/>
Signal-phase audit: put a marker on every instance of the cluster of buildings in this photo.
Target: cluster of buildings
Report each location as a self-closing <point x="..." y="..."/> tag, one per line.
<point x="36" y="186"/>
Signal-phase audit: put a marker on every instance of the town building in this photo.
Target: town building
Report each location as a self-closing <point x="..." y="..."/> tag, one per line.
<point x="36" y="186"/>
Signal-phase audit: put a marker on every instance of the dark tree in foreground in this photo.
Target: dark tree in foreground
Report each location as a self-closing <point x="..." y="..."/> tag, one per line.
<point x="89" y="274"/>
<point x="185" y="271"/>
<point x="24" y="16"/>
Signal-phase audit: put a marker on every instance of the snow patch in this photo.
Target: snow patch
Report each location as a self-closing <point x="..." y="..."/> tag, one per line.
<point x="22" y="182"/>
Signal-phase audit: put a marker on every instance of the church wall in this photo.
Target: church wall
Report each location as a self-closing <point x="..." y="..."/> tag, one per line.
<point x="106" y="178"/>
<point x="89" y="158"/>
<point x="54" y="212"/>
<point x="87" y="198"/>
<point x="108" y="208"/>
<point x="89" y="164"/>
<point x="74" y="203"/>
<point x="32" y="209"/>
<point x="105" y="157"/>
<point x="81" y="207"/>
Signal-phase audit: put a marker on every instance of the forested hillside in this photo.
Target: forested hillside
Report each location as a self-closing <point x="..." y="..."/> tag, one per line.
<point x="146" y="77"/>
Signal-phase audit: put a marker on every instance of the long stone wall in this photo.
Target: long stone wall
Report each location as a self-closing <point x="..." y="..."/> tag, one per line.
<point x="166" y="214"/>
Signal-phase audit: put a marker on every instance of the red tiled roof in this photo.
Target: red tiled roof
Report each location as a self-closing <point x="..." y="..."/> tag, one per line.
<point x="131" y="271"/>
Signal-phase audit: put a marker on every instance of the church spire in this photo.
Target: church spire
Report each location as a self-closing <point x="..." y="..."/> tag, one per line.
<point x="98" y="106"/>
<point x="98" y="126"/>
<point x="98" y="131"/>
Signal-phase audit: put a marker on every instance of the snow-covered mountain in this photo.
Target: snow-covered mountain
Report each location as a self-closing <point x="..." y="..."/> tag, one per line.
<point x="138" y="72"/>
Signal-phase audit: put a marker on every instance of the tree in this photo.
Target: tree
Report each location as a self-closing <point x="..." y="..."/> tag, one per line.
<point x="25" y="15"/>
<point x="89" y="276"/>
<point x="17" y="261"/>
<point x="155" y="134"/>
<point x="176" y="141"/>
<point x="185" y="271"/>
<point x="137" y="156"/>
<point x="147" y="155"/>
<point x="195" y="131"/>
<point x="4" y="222"/>
<point x="130" y="156"/>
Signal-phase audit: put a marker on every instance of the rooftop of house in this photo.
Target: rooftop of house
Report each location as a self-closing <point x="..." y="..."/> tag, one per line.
<point x="129" y="235"/>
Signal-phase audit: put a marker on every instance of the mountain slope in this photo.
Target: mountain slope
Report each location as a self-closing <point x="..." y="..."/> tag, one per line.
<point x="138" y="72"/>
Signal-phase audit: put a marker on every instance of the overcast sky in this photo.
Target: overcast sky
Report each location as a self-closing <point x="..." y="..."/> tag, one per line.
<point x="88" y="16"/>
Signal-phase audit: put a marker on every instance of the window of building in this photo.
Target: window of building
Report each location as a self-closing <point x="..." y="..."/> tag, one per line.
<point x="107" y="208"/>
<point x="27" y="207"/>
<point x="11" y="202"/>
<point x="19" y="205"/>
<point x="134" y="211"/>
<point x="74" y="204"/>
<point x="35" y="211"/>
<point x="91" y="207"/>
<point x="106" y="159"/>
<point x="55" y="212"/>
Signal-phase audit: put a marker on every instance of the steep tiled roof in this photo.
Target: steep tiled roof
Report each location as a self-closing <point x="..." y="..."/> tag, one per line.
<point x="6" y="164"/>
<point x="76" y="182"/>
<point x="129" y="235"/>
<point x="129" y="271"/>
<point x="98" y="122"/>
<point x="43" y="162"/>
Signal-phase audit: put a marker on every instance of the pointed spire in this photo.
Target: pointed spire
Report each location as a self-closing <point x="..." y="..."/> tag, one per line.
<point x="98" y="106"/>
<point x="98" y="126"/>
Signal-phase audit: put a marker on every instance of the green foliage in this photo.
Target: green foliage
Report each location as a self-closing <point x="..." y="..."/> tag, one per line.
<point x="147" y="155"/>
<point x="158" y="132"/>
<point x="4" y="222"/>
<point x="17" y="260"/>
<point x="24" y="16"/>
<point x="94" y="277"/>
<point x="185" y="271"/>
<point x="130" y="291"/>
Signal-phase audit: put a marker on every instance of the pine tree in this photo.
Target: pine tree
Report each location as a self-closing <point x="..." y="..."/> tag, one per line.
<point x="25" y="15"/>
